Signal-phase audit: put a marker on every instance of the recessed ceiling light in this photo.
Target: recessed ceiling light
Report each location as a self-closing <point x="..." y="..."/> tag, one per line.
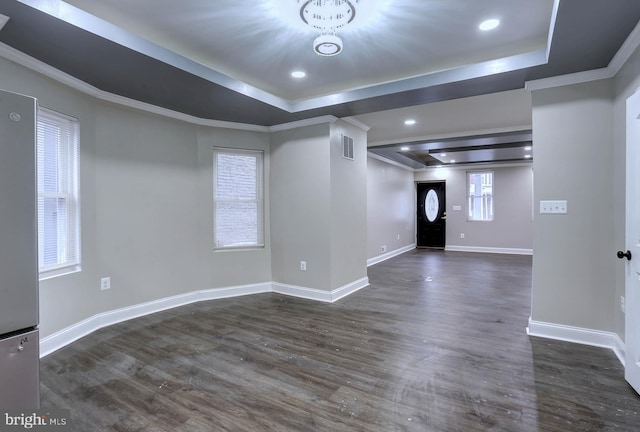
<point x="453" y="161"/>
<point x="298" y="74"/>
<point x="410" y="122"/>
<point x="527" y="156"/>
<point x="489" y="24"/>
<point x="404" y="148"/>
<point x="443" y="154"/>
<point x="527" y="148"/>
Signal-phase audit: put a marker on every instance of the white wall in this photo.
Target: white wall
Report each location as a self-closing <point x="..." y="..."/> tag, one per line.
<point x="574" y="254"/>
<point x="512" y="227"/>
<point x="390" y="208"/>
<point x="625" y="84"/>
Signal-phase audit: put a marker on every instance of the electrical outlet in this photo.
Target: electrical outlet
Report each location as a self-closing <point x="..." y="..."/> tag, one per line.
<point x="461" y="235"/>
<point x="383" y="248"/>
<point x="557" y="207"/>
<point x="622" y="303"/>
<point x="105" y="283"/>
<point x="303" y="265"/>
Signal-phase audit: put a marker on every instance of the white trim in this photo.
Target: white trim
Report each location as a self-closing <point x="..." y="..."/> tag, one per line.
<point x="76" y="331"/>
<point x="579" y="335"/>
<point x="389" y="161"/>
<point x="622" y="56"/>
<point x="482" y="249"/>
<point x="552" y="27"/>
<point x="36" y="65"/>
<point x="349" y="289"/>
<point x="320" y="295"/>
<point x="419" y="139"/>
<point x="64" y="337"/>
<point x="388" y="255"/>
<point x="619" y="349"/>
<point x="3" y="21"/>
<point x="357" y="123"/>
<point x="569" y="79"/>
<point x="626" y="50"/>
<point x="303" y="123"/>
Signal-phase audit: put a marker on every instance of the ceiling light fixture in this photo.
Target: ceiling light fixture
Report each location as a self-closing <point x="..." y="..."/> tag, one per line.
<point x="489" y="24"/>
<point x="298" y="74"/>
<point x="327" y="16"/>
<point x="404" y="148"/>
<point x="410" y="122"/>
<point x="527" y="148"/>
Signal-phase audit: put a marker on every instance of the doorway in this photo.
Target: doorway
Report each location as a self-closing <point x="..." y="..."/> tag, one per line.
<point x="432" y="215"/>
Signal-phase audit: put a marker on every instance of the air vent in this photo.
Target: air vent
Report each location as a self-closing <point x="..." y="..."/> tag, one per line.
<point x="347" y="147"/>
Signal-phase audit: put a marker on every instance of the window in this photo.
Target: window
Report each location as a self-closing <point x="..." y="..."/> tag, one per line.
<point x="480" y="196"/>
<point x="237" y="198"/>
<point x="58" y="209"/>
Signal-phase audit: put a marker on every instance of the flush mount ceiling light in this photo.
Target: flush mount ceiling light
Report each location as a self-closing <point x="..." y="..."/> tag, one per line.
<point x="410" y="122"/>
<point x="298" y="74"/>
<point x="327" y="16"/>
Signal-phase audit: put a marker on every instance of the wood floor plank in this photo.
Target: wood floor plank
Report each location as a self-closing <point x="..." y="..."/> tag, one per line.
<point x="437" y="342"/>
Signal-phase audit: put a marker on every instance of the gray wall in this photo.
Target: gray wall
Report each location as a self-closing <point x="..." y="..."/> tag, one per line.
<point x="391" y="206"/>
<point x="146" y="206"/>
<point x="348" y="186"/>
<point x="573" y="263"/>
<point x="318" y="205"/>
<point x="512" y="226"/>
<point x="301" y="206"/>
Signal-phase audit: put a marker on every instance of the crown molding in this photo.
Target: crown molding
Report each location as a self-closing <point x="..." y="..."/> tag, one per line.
<point x="357" y="123"/>
<point x="391" y="162"/>
<point x="42" y="68"/>
<point x="303" y="123"/>
<point x="627" y="49"/>
<point x="569" y="79"/>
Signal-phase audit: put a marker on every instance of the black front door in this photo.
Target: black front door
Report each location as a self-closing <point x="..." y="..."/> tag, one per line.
<point x="432" y="215"/>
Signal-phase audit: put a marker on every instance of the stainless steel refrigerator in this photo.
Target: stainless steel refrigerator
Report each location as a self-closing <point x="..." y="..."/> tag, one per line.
<point x="19" y="340"/>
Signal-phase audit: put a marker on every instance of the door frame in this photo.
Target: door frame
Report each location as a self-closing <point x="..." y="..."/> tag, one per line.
<point x="632" y="242"/>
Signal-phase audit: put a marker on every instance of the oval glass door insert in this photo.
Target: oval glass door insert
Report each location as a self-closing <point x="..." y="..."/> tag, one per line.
<point x="431" y="205"/>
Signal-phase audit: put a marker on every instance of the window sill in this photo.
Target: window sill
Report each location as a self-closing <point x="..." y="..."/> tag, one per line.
<point x="50" y="274"/>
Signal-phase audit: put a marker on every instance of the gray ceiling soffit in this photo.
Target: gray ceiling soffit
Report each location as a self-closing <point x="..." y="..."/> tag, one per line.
<point x="477" y="149"/>
<point x="587" y="34"/>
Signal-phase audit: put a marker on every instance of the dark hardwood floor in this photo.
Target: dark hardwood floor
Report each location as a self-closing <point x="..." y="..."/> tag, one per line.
<point x="437" y="342"/>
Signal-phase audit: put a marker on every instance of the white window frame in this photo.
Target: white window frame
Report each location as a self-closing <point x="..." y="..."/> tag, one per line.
<point x="65" y="144"/>
<point x="259" y="198"/>
<point x="486" y="200"/>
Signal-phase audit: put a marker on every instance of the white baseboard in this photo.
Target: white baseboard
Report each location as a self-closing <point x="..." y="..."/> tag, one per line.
<point x="578" y="335"/>
<point x="393" y="253"/>
<point x="511" y="251"/>
<point x="320" y="295"/>
<point x="76" y="331"/>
